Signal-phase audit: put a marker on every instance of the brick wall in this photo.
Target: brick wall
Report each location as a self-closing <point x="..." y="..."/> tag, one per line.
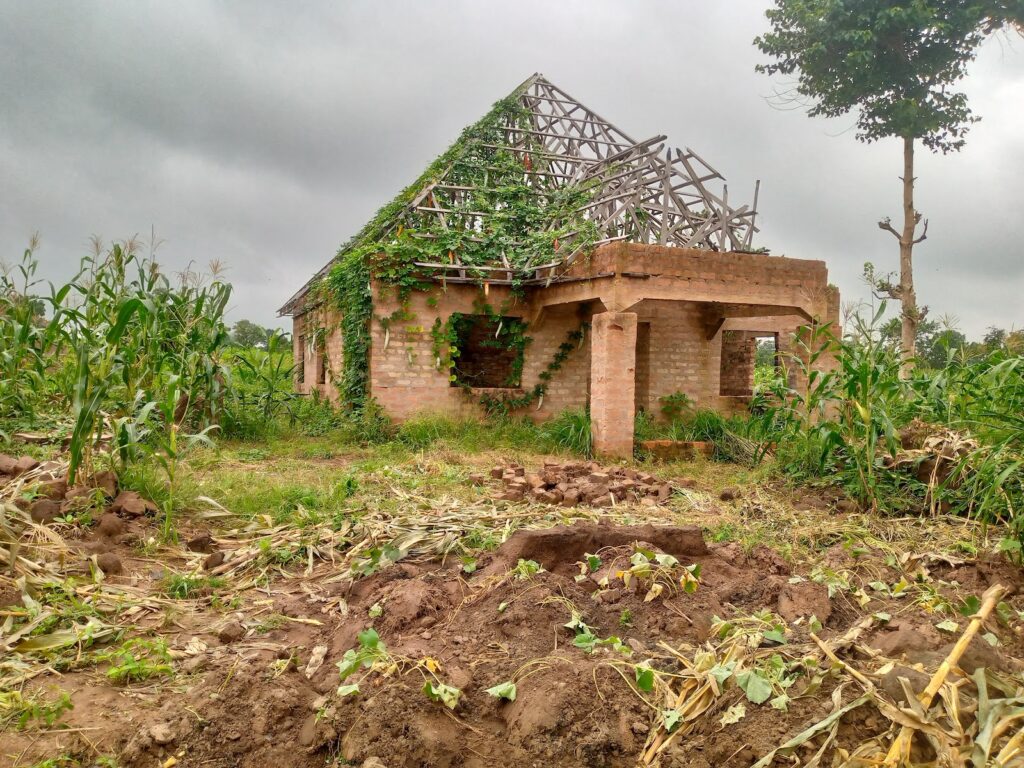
<point x="737" y="366"/>
<point x="404" y="373"/>
<point x="675" y="353"/>
<point x="482" y="363"/>
<point x="323" y="324"/>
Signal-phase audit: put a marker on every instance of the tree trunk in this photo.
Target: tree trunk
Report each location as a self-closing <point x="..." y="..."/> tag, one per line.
<point x="909" y="314"/>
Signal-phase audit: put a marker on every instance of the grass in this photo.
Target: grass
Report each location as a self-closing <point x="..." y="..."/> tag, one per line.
<point x="181" y="587"/>
<point x="275" y="479"/>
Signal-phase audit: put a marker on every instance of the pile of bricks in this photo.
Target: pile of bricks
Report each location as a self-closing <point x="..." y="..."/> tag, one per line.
<point x="577" y="483"/>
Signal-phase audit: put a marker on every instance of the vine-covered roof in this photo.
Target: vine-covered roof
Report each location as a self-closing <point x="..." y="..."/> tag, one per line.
<point x="538" y="181"/>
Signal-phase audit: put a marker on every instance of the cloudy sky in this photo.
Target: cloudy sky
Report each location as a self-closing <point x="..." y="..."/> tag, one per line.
<point x="265" y="134"/>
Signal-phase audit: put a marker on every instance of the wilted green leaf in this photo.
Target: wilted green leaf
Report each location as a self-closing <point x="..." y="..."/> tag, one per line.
<point x="722" y="672"/>
<point x="348" y="690"/>
<point x="505" y="691"/>
<point x="447" y="694"/>
<point x="670" y="719"/>
<point x="775" y="636"/>
<point x="734" y="714"/>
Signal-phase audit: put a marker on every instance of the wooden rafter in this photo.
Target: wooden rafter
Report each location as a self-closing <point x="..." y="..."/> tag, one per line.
<point x="642" y="191"/>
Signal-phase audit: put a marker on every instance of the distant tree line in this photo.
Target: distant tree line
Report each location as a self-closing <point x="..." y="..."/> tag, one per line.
<point x="246" y="333"/>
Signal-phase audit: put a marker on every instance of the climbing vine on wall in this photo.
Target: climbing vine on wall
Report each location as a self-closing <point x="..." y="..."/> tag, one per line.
<point x="504" y="333"/>
<point x="527" y="221"/>
<point x="504" y="404"/>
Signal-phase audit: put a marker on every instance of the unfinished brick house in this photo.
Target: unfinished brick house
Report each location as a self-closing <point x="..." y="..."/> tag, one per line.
<point x="550" y="261"/>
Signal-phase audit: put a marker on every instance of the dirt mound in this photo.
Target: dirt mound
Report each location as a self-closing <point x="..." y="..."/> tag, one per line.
<point x="564" y="546"/>
<point x="567" y="647"/>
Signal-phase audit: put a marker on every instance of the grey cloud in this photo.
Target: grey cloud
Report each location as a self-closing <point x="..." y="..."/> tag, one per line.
<point x="264" y="134"/>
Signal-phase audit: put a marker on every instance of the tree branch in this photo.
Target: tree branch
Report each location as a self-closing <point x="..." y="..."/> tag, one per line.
<point x="886" y="224"/>
<point x="924" y="234"/>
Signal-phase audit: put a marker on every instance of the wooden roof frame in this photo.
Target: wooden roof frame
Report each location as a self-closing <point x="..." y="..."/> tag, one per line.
<point x="642" y="191"/>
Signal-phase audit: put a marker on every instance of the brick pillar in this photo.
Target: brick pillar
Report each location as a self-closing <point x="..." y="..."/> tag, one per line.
<point x="613" y="383"/>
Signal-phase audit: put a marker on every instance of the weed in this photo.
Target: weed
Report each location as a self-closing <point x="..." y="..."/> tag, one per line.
<point x="252" y="454"/>
<point x="371" y="651"/>
<point x="269" y="624"/>
<point x="23" y="710"/>
<point x="182" y="587"/>
<point x="138" y="659"/>
<point x="526" y="569"/>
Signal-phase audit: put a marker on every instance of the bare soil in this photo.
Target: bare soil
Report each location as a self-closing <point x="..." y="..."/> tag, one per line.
<point x="256" y="682"/>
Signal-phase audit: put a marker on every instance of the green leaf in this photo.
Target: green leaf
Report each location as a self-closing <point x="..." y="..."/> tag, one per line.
<point x="780" y="702"/>
<point x="775" y="636"/>
<point x="948" y="626"/>
<point x="376" y="611"/>
<point x="757" y="688"/>
<point x="586" y="640"/>
<point x="506" y="691"/>
<point x="468" y="564"/>
<point x="348" y="690"/>
<point x="722" y="672"/>
<point x="644" y="678"/>
<point x="883" y="617"/>
<point x="814" y="624"/>
<point x="971" y="605"/>
<point x="370" y="640"/>
<point x="593" y="562"/>
<point x="349" y="663"/>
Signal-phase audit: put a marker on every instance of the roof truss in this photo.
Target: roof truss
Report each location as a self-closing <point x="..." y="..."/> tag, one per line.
<point x="641" y="191"/>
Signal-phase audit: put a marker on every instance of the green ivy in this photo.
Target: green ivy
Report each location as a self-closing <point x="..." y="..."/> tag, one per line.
<point x="349" y="281"/>
<point x="444" y="345"/>
<point x="527" y="226"/>
<point x="504" y="404"/>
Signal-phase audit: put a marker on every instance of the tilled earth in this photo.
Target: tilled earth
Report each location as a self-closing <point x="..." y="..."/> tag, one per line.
<point x="572" y="615"/>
